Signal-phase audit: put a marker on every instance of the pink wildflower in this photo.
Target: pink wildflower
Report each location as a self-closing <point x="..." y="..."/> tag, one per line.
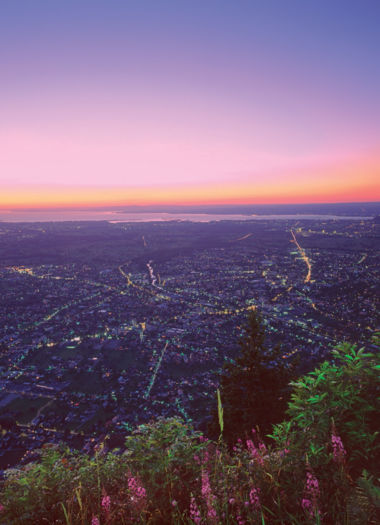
<point x="106" y="503"/>
<point x="312" y="485"/>
<point x="254" y="452"/>
<point x="1" y="507"/>
<point x="262" y="448"/>
<point x="254" y="498"/>
<point x="95" y="520"/>
<point x="137" y="491"/>
<point x="206" y="488"/>
<point x="208" y="495"/>
<point x="251" y="447"/>
<point x="310" y="501"/>
<point x="195" y="514"/>
<point x="307" y="506"/>
<point x="338" y="448"/>
<point x="206" y="458"/>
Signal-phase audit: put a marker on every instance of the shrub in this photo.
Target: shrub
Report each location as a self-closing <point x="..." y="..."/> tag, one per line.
<point x="340" y="398"/>
<point x="164" y="454"/>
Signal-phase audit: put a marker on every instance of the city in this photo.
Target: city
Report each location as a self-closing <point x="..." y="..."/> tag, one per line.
<point x="105" y="326"/>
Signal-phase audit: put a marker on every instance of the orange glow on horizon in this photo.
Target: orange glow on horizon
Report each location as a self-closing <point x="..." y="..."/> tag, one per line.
<point x="91" y="197"/>
<point x="356" y="183"/>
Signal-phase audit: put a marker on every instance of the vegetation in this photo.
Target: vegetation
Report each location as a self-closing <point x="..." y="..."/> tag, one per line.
<point x="320" y="465"/>
<point x="254" y="388"/>
<point x="343" y="394"/>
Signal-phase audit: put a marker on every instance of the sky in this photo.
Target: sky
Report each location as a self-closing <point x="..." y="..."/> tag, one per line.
<point x="120" y="102"/>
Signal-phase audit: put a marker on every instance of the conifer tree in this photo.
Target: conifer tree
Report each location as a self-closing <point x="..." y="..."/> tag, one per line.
<point x="254" y="388"/>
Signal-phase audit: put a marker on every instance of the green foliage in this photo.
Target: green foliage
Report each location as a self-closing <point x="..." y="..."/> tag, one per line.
<point x="344" y="393"/>
<point x="41" y="485"/>
<point x="163" y="454"/>
<point x="184" y="478"/>
<point x="254" y="389"/>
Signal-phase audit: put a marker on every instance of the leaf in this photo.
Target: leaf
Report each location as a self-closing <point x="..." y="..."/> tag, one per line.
<point x="220" y="412"/>
<point x="66" y="515"/>
<point x="319" y="378"/>
<point x="77" y="491"/>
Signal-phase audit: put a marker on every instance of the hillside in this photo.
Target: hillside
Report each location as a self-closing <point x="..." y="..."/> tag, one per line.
<point x="318" y="466"/>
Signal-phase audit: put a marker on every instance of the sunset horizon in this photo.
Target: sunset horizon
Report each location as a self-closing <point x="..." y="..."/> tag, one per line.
<point x="146" y="205"/>
<point x="345" y="187"/>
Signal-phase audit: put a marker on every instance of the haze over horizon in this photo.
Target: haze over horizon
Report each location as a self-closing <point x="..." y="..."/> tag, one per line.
<point x="145" y="103"/>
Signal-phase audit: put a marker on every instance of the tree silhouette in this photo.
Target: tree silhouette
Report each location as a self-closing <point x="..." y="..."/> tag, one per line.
<point x="254" y="389"/>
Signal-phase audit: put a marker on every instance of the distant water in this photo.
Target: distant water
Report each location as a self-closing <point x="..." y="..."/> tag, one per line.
<point x="116" y="216"/>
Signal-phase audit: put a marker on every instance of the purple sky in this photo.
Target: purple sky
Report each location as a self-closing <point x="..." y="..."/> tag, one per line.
<point x="153" y="101"/>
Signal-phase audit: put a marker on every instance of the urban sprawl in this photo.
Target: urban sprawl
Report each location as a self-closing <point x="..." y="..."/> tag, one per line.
<point x="104" y="326"/>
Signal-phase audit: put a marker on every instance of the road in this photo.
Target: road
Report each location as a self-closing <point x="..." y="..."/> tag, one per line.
<point x="304" y="257"/>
